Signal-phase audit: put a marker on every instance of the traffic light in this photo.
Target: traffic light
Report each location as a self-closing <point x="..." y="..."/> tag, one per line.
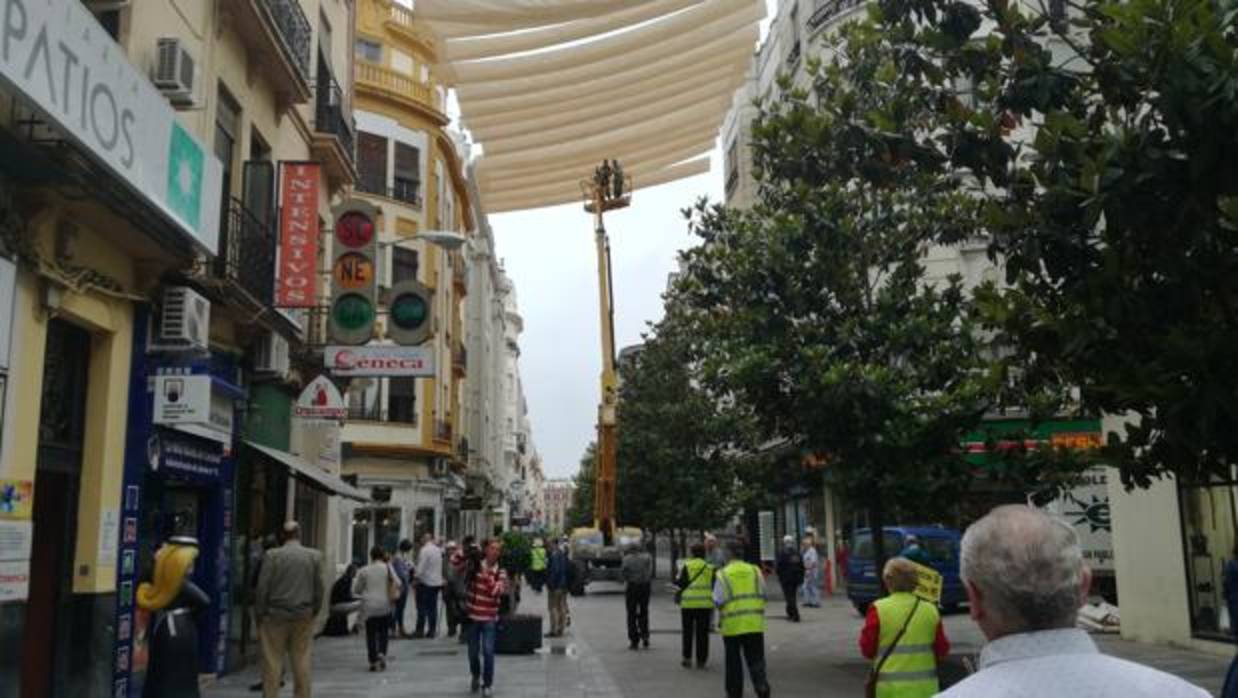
<point x="353" y="299"/>
<point x="409" y="313"/>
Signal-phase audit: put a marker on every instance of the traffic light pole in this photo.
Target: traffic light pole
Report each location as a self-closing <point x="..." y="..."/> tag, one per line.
<point x="600" y="201"/>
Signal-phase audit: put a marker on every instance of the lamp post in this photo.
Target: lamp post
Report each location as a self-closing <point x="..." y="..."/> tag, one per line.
<point x="607" y="190"/>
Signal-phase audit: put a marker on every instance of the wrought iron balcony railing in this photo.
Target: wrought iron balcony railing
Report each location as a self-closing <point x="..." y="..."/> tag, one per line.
<point x="247" y="252"/>
<point x="294" y="31"/>
<point x="406" y="192"/>
<point x="331" y="117"/>
<point x="375" y="413"/>
<point x="829" y="10"/>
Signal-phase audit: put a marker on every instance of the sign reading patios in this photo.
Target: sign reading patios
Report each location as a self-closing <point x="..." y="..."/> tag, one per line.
<point x="56" y="55"/>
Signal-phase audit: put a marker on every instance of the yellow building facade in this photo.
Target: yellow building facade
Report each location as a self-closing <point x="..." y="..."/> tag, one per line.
<point x="402" y="439"/>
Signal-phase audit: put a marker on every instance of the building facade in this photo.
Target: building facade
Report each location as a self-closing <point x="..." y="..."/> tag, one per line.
<point x="138" y="317"/>
<point x="558" y="496"/>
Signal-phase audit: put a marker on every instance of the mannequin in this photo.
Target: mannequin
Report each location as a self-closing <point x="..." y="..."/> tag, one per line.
<point x="173" y="601"/>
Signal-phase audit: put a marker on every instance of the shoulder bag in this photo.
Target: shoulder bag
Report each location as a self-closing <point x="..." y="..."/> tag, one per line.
<point x="679" y="592"/>
<point x="870" y="685"/>
<point x="394" y="587"/>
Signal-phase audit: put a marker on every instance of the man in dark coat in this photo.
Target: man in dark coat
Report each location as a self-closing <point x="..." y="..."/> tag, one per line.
<point x="790" y="567"/>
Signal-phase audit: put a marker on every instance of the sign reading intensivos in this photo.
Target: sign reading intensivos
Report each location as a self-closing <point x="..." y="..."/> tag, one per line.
<point x="380" y="361"/>
<point x="55" y="54"/>
<point x="298" y="234"/>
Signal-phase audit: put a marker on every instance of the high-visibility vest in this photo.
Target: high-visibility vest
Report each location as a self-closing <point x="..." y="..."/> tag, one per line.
<point x="699" y="593"/>
<point x="911" y="670"/>
<point x="539" y="560"/>
<point x="743" y="607"/>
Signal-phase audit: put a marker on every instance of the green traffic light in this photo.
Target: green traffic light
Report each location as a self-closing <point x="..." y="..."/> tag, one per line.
<point x="353" y="312"/>
<point x="409" y="311"/>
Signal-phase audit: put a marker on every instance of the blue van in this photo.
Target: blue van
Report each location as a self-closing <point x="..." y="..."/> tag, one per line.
<point x="941" y="544"/>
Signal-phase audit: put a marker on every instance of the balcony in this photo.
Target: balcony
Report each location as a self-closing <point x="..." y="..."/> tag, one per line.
<point x="246" y="258"/>
<point x="335" y="138"/>
<point x="459" y="360"/>
<point x="828" y="10"/>
<point x="460" y="275"/>
<point x="279" y="37"/>
<point x="375" y="413"/>
<point x="405" y="192"/>
<point x="400" y="88"/>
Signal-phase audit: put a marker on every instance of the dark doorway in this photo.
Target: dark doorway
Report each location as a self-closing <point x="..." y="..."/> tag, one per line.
<point x="62" y="426"/>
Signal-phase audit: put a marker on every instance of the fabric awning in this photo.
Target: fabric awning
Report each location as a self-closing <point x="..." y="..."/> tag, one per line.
<point x="550" y="88"/>
<point x="311" y="474"/>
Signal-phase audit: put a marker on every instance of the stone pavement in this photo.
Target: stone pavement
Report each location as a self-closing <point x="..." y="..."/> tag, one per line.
<point x="817" y="657"/>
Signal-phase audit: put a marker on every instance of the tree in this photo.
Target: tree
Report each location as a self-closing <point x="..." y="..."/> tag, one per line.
<point x="581" y="511"/>
<point x="1100" y="135"/>
<point x="678" y="442"/>
<point x="813" y="307"/>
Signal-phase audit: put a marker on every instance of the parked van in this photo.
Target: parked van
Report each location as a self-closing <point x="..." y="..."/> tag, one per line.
<point x="941" y="544"/>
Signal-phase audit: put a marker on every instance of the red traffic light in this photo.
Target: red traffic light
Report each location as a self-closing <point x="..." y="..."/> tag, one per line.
<point x="354" y="229"/>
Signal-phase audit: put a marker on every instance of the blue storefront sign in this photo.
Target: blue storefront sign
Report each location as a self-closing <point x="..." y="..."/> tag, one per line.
<point x="176" y="482"/>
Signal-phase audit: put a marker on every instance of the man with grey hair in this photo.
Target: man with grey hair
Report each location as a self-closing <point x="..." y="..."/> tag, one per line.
<point x="1025" y="581"/>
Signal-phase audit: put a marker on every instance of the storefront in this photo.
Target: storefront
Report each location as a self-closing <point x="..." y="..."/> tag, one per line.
<point x="1209" y="515"/>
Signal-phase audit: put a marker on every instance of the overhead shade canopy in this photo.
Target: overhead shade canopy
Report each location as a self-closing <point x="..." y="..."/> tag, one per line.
<point x="550" y="88"/>
<point x="310" y="474"/>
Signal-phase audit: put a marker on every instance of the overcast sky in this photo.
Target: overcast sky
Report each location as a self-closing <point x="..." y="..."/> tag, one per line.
<point x="550" y="255"/>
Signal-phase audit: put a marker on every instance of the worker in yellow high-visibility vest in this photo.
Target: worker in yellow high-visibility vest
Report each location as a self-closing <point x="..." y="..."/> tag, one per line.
<point x="739" y="594"/>
<point x="696" y="605"/>
<point x="909" y="669"/>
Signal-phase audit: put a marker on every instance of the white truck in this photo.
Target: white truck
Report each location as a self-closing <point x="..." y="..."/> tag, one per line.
<point x="1086" y="508"/>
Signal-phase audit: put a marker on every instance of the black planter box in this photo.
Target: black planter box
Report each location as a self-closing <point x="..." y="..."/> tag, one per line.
<point x="519" y="634"/>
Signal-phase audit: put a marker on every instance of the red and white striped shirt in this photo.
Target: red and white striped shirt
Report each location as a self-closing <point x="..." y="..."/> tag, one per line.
<point x="485" y="592"/>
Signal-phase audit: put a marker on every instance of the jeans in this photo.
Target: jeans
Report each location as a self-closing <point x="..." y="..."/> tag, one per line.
<point x="752" y="647"/>
<point x="637" y="598"/>
<point x="290" y="637"/>
<point x="481" y="647"/>
<point x="789" y="591"/>
<point x="376" y="631"/>
<point x="811" y="590"/>
<point x="427" y="610"/>
<point x="696" y="631"/>
<point x="397" y="616"/>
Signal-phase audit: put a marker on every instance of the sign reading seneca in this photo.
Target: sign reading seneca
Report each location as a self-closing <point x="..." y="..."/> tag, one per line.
<point x="55" y="56"/>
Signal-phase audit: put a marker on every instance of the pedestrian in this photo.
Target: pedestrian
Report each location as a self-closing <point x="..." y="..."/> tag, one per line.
<point x="487" y="583"/>
<point x="739" y="594"/>
<point x="428" y="573"/>
<point x="637" y="575"/>
<point x="289" y="595"/>
<point x="912" y="550"/>
<point x="714" y="553"/>
<point x="1025" y="580"/>
<point x="558" y="584"/>
<point x="466" y="563"/>
<point x="404" y="572"/>
<point x="374" y="585"/>
<point x="904" y="637"/>
<point x="811" y="586"/>
<point x="453" y="595"/>
<point x="695" y="596"/>
<point x="1229" y="589"/>
<point x="789" y="565"/>
<point x="537" y="565"/>
<point x="269" y="542"/>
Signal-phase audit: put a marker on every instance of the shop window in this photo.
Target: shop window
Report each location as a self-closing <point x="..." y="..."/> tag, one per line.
<point x="379" y="526"/>
<point x="1209" y="525"/>
<point x="424" y="523"/>
<point x="371" y="163"/>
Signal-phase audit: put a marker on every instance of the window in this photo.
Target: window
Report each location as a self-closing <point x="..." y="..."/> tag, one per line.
<point x="407" y="174"/>
<point x="404" y="264"/>
<point x="401" y="62"/>
<point x="732" y="167"/>
<point x="371" y="163"/>
<point x="367" y="50"/>
<point x="1210" y="529"/>
<point x="402" y="400"/>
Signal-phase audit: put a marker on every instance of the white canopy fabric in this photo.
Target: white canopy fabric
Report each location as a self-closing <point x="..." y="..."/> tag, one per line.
<point x="550" y="88"/>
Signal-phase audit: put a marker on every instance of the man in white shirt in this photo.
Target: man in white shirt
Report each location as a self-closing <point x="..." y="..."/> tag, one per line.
<point x="1025" y="582"/>
<point x="429" y="575"/>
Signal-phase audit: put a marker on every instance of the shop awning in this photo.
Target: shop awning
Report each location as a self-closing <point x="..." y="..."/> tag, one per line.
<point x="311" y="474"/>
<point x="550" y="88"/>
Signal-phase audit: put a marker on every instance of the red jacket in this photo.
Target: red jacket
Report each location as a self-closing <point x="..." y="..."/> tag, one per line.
<point x="869" y="636"/>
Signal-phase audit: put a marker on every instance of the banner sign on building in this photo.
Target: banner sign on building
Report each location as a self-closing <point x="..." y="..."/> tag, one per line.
<point x="298" y="235"/>
<point x="192" y="404"/>
<point x="376" y="360"/>
<point x="321" y="400"/>
<point x="58" y="57"/>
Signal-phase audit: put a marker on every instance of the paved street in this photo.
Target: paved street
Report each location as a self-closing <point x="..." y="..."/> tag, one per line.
<point x="815" y="658"/>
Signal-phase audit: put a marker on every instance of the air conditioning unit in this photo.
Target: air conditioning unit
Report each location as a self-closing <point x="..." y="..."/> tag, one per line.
<point x="185" y="322"/>
<point x="271" y="355"/>
<point x="174" y="71"/>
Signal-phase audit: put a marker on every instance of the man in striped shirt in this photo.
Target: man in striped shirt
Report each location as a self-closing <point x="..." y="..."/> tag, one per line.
<point x="486" y="586"/>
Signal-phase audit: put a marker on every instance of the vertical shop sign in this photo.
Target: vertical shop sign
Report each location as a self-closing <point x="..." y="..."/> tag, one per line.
<point x="298" y="234"/>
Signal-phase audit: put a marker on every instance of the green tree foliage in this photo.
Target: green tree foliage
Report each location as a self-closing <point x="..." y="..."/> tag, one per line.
<point x="677" y="442"/>
<point x="814" y="307"/>
<point x="1100" y="135"/>
<point x="581" y="511"/>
